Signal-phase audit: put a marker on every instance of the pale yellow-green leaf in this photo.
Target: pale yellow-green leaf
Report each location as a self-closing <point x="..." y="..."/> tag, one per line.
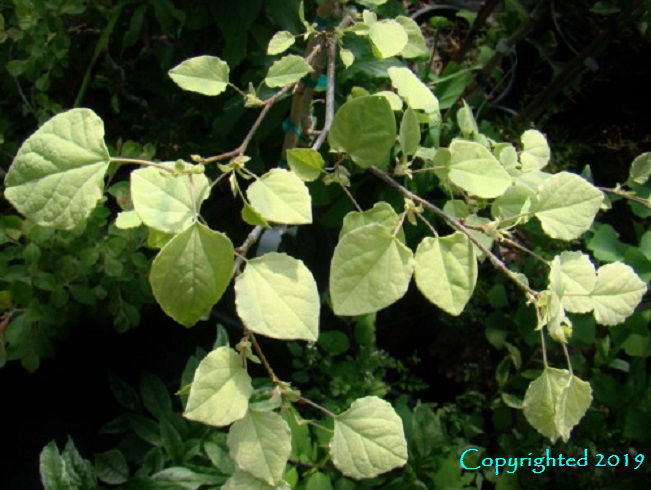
<point x="281" y="197"/>
<point x="578" y="279"/>
<point x="347" y="57"/>
<point x="207" y="75"/>
<point x="555" y="402"/>
<point x="191" y="272"/>
<point x="57" y="176"/>
<point x="163" y="200"/>
<point x="127" y="219"/>
<point x="286" y="70"/>
<point x="616" y="293"/>
<point x="535" y="152"/>
<point x="409" y="136"/>
<point x="371" y="145"/>
<point x="306" y="163"/>
<point x="260" y="444"/>
<point x="466" y="121"/>
<point x="446" y="271"/>
<point x="241" y="480"/>
<point x="394" y="99"/>
<point x="516" y="201"/>
<point x="566" y="205"/>
<point x="368" y="439"/>
<point x="388" y="38"/>
<point x="640" y="168"/>
<point x="410" y="88"/>
<point x="381" y="213"/>
<point x="473" y="168"/>
<point x="281" y="41"/>
<point x="277" y="296"/>
<point x="370" y="270"/>
<point x="416" y="46"/>
<point x="506" y="154"/>
<point x="220" y="389"/>
<point x="252" y="217"/>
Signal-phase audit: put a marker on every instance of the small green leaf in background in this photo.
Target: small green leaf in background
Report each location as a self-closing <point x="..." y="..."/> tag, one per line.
<point x="207" y="75"/>
<point x="57" y="177"/>
<point x="515" y="201"/>
<point x="473" y="168"/>
<point x="381" y="213"/>
<point x="388" y="38"/>
<point x="286" y="70"/>
<point x="555" y="402"/>
<point x="221" y="389"/>
<point x="370" y="270"/>
<point x="535" y="151"/>
<point x="640" y="168"/>
<point x="191" y="272"/>
<point x="416" y="46"/>
<point x="281" y="41"/>
<point x="409" y="132"/>
<point x="365" y="128"/>
<point x="616" y="293"/>
<point x="446" y="271"/>
<point x="164" y="201"/>
<point x="111" y="467"/>
<point x="277" y="296"/>
<point x="241" y="480"/>
<point x="566" y="205"/>
<point x="410" y="88"/>
<point x="334" y="342"/>
<point x="281" y="197"/>
<point x="155" y="396"/>
<point x="306" y="163"/>
<point x="260" y="444"/>
<point x="368" y="439"/>
<point x="318" y="481"/>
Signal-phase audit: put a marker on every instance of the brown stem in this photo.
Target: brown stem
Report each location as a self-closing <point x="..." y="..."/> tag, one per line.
<point x="317" y="406"/>
<point x="274" y="379"/>
<point x="626" y="195"/>
<point x="455" y="223"/>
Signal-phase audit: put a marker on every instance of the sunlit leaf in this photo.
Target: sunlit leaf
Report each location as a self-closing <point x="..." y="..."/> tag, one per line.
<point x="368" y="439"/>
<point x="388" y="38"/>
<point x="277" y="296"/>
<point x="280" y="196"/>
<point x="281" y="41"/>
<point x="416" y="46"/>
<point x="446" y="271"/>
<point x="57" y="177"/>
<point x="535" y="150"/>
<point x="566" y="205"/>
<point x="578" y="279"/>
<point x="365" y="128"/>
<point x="306" y="163"/>
<point x="410" y="88"/>
<point x="220" y="390"/>
<point x="241" y="480"/>
<point x="164" y="201"/>
<point x="409" y="132"/>
<point x="474" y="169"/>
<point x="370" y="270"/>
<point x="286" y="70"/>
<point x="616" y="293"/>
<point x="191" y="272"/>
<point x="260" y="444"/>
<point x="207" y="75"/>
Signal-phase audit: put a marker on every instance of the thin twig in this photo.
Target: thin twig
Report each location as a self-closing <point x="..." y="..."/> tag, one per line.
<point x="145" y="163"/>
<point x="241" y="149"/>
<point x="274" y="379"/>
<point x="317" y="406"/>
<point x="330" y="94"/>
<point x="567" y="358"/>
<point x="428" y="224"/>
<point x="350" y="196"/>
<point x="455" y="223"/>
<point x="244" y="248"/>
<point x="544" y="347"/>
<point x="515" y="244"/>
<point x="626" y="195"/>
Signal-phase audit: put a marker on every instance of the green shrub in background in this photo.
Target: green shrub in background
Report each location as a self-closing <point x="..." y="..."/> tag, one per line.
<point x="446" y="196"/>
